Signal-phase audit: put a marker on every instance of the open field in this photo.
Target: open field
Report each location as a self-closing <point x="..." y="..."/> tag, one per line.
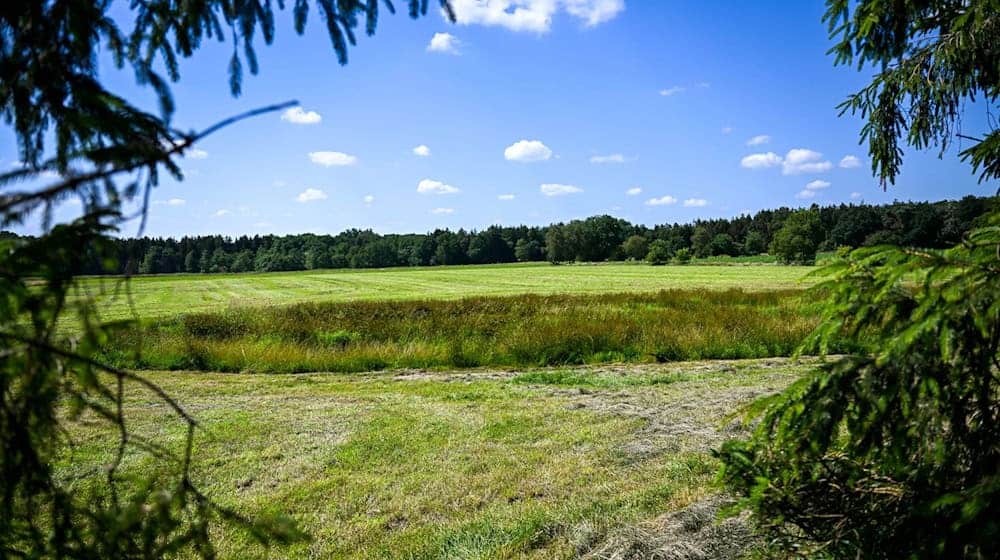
<point x="431" y="460"/>
<point x="167" y="295"/>
<point x="555" y="463"/>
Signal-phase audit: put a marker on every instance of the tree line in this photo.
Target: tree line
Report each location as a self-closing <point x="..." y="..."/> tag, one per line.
<point x="793" y="235"/>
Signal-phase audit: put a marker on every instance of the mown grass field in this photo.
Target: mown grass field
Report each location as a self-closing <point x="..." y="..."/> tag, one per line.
<point x="477" y="464"/>
<point x="148" y="297"/>
<point x="423" y="458"/>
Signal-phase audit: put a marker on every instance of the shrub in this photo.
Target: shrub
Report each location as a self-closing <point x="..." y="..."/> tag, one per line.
<point x="659" y="252"/>
<point x="682" y="256"/>
<point x="636" y="247"/>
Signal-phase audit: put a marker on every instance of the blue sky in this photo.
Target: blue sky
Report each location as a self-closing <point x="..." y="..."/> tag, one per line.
<point x="647" y="110"/>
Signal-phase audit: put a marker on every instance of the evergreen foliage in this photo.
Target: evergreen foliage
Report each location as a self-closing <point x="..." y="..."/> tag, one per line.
<point x="893" y="451"/>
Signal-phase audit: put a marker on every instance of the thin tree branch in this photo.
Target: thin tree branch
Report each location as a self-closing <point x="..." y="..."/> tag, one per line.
<point x="105" y="367"/>
<point x="13" y="201"/>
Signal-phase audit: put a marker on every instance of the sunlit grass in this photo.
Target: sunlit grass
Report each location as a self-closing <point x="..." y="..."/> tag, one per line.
<point x="512" y="331"/>
<point x="148" y="297"/>
<point x="376" y="466"/>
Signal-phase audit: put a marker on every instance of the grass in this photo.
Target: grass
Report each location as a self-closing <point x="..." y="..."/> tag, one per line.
<point x="422" y="464"/>
<point x="584" y="378"/>
<point x="481" y="464"/>
<point x="821" y="258"/>
<point x="510" y="331"/>
<point x="167" y="295"/>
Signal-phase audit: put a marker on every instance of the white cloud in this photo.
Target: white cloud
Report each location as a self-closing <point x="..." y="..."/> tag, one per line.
<point x="506" y="197"/>
<point x="430" y="186"/>
<point x="171" y="202"/>
<point x="761" y="161"/>
<point x="817" y="185"/>
<point x="443" y="211"/>
<point x="555" y="189"/>
<point x="527" y="151"/>
<point x="801" y="160"/>
<point x="422" y="151"/>
<point x="634" y="191"/>
<point x="332" y="159"/>
<point x="223" y="212"/>
<point x="795" y="162"/>
<point x="671" y="91"/>
<point x="297" y="115"/>
<point x="695" y="203"/>
<point x="850" y="162"/>
<point x="758" y="140"/>
<point x="310" y="195"/>
<point x="444" y="43"/>
<point x="594" y="12"/>
<point x="533" y="15"/>
<point x="855" y="195"/>
<point x="805" y="194"/>
<point x="662" y="201"/>
<point x="369" y="199"/>
<point x="610" y="158"/>
<point x="727" y="130"/>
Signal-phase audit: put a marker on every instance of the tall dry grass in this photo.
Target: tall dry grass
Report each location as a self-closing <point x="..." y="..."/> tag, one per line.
<point x="527" y="330"/>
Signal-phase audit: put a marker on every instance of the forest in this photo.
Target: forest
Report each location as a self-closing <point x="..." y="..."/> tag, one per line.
<point x="598" y="238"/>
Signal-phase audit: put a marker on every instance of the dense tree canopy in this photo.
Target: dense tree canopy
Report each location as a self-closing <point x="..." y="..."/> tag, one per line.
<point x="595" y="239"/>
<point x="799" y="238"/>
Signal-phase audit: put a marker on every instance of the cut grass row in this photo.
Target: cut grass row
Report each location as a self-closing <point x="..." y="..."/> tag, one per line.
<point x="442" y="466"/>
<point x="512" y="331"/>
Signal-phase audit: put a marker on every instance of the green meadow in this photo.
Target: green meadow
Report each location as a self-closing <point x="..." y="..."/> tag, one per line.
<point x="157" y="296"/>
<point x="486" y="464"/>
<point x="488" y="412"/>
